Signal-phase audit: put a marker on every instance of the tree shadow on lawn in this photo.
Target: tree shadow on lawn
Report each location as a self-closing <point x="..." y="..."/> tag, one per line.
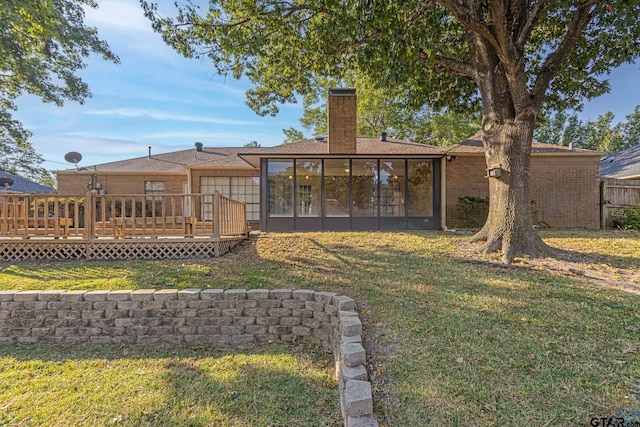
<point x="473" y="344"/>
<point x="458" y="342"/>
<point x="194" y="385"/>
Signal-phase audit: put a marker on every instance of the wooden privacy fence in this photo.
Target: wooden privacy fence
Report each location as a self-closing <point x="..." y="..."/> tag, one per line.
<point x="615" y="196"/>
<point x="143" y="225"/>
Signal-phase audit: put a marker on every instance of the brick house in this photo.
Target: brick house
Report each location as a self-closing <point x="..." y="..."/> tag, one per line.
<point x="345" y="182"/>
<point x="565" y="189"/>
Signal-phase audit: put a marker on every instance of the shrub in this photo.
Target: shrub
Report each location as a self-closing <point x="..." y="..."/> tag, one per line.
<point x="472" y="211"/>
<point x="631" y="218"/>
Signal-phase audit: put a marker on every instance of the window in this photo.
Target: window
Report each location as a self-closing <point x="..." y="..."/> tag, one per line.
<point x="153" y="204"/>
<point x="241" y="188"/>
<point x="365" y="188"/>
<point x="420" y="188"/>
<point x="309" y="181"/>
<point x="154" y="187"/>
<point x="280" y="188"/>
<point x="392" y="201"/>
<point x="336" y="187"/>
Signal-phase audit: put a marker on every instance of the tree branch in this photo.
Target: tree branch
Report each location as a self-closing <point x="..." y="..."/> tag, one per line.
<point x="467" y="20"/>
<point x="585" y="13"/>
<point x="532" y="19"/>
<point x="451" y="65"/>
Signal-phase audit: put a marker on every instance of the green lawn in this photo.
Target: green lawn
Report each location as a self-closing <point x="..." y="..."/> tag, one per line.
<point x="151" y="386"/>
<point x="456" y="342"/>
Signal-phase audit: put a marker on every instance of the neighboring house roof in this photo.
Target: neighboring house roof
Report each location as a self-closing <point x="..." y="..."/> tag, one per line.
<point x="473" y="145"/>
<point x="623" y="164"/>
<point x="174" y="162"/>
<point x="21" y="185"/>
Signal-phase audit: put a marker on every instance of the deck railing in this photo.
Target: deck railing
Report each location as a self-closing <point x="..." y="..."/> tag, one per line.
<point x="118" y="216"/>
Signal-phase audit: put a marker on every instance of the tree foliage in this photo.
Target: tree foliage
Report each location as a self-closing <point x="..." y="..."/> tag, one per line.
<point x="600" y="135"/>
<point x="512" y="56"/>
<point x="43" y="44"/>
<point x="379" y="111"/>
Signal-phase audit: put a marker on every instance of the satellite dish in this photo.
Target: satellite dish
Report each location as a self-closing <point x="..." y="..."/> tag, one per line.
<point x="6" y="182"/>
<point x="73" y="157"/>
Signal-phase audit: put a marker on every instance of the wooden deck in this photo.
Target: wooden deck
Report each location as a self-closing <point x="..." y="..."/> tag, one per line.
<point x="97" y="226"/>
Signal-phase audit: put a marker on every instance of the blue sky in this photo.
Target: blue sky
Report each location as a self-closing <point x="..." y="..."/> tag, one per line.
<point x="157" y="98"/>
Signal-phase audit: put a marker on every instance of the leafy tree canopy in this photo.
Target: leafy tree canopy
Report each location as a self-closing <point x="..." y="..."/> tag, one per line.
<point x="379" y="112"/>
<point x="43" y="43"/>
<point x="512" y="56"/>
<point x="602" y="135"/>
<point x="418" y="49"/>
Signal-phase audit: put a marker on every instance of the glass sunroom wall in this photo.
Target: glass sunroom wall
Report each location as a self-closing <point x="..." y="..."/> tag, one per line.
<point x="308" y="187"/>
<point x="392" y="187"/>
<point x="280" y="178"/>
<point x="364" y="187"/>
<point x="420" y="188"/>
<point x="336" y="187"/>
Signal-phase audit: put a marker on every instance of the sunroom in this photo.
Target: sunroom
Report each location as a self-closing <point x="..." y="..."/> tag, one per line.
<point x="350" y="193"/>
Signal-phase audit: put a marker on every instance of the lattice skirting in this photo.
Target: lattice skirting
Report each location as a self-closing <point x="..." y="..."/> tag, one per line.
<point x="115" y="249"/>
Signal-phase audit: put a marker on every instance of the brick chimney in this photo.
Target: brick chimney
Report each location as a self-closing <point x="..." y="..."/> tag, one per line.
<point x="341" y="110"/>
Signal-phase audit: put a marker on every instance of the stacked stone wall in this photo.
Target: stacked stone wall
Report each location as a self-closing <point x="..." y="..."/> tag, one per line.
<point x="200" y="316"/>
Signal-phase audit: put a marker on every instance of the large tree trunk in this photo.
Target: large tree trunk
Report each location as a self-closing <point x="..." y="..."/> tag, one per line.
<point x="509" y="227"/>
<point x="508" y="120"/>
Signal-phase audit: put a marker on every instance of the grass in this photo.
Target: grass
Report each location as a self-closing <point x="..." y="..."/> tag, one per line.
<point x="152" y="386"/>
<point x="455" y="342"/>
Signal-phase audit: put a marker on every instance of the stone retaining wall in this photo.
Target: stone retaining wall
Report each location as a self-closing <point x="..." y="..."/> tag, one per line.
<point x="194" y="315"/>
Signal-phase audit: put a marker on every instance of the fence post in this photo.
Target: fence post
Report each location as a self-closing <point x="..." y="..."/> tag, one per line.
<point x="603" y="204"/>
<point x="88" y="215"/>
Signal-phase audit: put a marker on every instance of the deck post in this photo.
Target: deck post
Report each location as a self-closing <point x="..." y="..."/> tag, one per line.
<point x="88" y="215"/>
<point x="216" y="222"/>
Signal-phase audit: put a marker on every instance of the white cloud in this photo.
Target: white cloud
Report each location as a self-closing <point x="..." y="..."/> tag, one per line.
<point x="159" y="115"/>
<point x="118" y="15"/>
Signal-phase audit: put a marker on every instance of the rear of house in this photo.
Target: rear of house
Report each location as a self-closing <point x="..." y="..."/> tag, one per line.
<point x="345" y="182"/>
<point x="565" y="190"/>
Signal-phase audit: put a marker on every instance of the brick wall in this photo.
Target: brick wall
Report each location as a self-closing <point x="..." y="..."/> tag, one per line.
<point x="194" y="315"/>
<point x="565" y="189"/>
<point x="342" y="131"/>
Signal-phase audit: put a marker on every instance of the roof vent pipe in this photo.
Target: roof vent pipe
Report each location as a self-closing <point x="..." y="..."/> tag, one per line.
<point x="149" y="151"/>
<point x="383" y="136"/>
<point x="198" y="146"/>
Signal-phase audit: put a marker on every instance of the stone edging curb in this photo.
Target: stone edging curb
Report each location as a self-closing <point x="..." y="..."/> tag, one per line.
<point x="195" y="315"/>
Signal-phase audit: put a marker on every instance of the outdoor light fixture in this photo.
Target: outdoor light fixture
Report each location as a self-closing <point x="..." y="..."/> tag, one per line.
<point x="451" y="158"/>
<point x="495" y="171"/>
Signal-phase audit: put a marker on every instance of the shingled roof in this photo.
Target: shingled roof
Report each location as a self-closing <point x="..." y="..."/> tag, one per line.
<point x="21" y="185"/>
<point x="176" y="161"/>
<point x="249" y="157"/>
<point x="473" y="145"/>
<point x="364" y="146"/>
<point x="623" y="164"/>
